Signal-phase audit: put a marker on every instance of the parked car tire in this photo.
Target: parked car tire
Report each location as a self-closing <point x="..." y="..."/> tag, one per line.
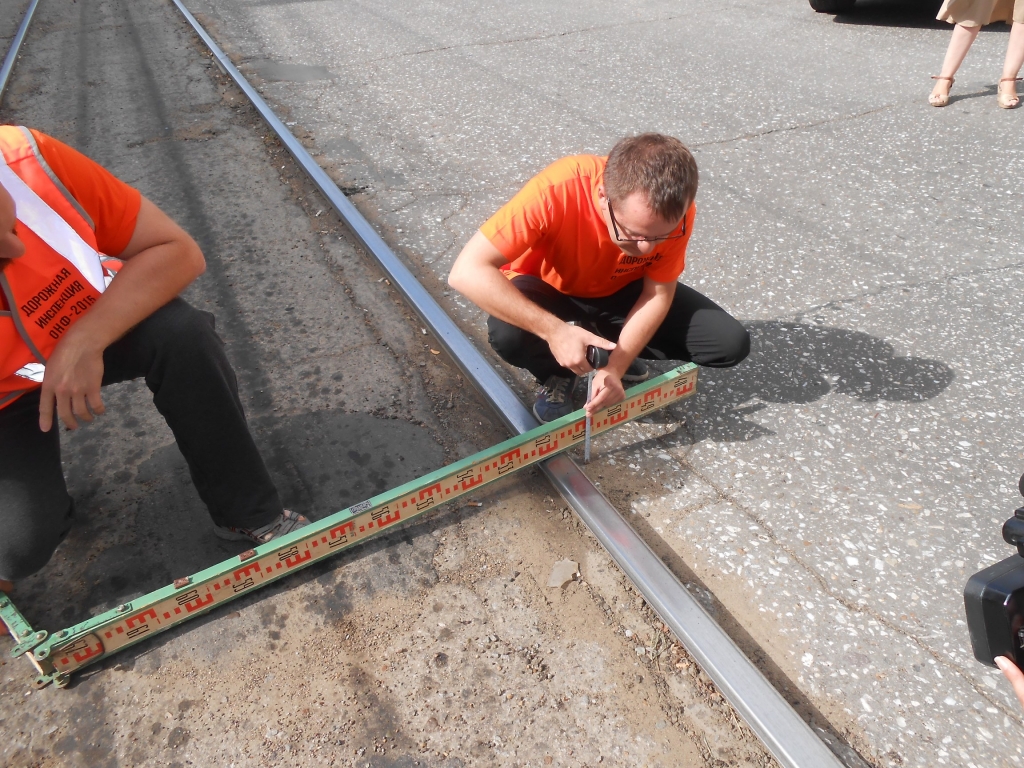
<point x="832" y="6"/>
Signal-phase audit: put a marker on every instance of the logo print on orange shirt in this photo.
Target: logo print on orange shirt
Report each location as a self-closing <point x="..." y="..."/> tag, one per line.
<point x="629" y="264"/>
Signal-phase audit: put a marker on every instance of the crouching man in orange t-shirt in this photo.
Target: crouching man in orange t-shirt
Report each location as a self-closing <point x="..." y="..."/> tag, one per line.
<point x="589" y="253"/>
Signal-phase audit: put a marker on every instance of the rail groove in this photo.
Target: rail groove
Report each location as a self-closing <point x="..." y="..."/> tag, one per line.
<point x="12" y="53"/>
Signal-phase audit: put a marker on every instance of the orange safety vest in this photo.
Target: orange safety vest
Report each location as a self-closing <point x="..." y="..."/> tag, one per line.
<point x="59" y="277"/>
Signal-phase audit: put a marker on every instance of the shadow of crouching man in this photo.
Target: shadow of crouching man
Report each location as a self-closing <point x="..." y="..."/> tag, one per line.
<point x="792" y="362"/>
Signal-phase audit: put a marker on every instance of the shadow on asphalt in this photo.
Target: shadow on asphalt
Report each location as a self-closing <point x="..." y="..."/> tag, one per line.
<point x="794" y="362"/>
<point x="910" y="14"/>
<point x="986" y="92"/>
<point x="124" y="545"/>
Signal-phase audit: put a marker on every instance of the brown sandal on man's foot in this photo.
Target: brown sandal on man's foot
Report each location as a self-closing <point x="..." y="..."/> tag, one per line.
<point x="939" y="99"/>
<point x="1005" y="100"/>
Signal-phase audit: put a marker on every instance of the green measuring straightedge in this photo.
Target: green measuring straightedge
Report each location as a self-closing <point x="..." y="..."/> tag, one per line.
<point x="56" y="656"/>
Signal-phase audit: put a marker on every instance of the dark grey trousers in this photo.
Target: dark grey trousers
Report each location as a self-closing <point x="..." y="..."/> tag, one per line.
<point x="182" y="359"/>
<point x="695" y="330"/>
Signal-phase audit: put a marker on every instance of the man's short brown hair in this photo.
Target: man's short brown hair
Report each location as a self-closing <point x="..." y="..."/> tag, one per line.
<point x="656" y="165"/>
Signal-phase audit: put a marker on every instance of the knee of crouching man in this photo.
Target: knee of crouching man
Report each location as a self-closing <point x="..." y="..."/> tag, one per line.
<point x="733" y="346"/>
<point x="741" y="345"/>
<point x="505" y="339"/>
<point x="21" y="558"/>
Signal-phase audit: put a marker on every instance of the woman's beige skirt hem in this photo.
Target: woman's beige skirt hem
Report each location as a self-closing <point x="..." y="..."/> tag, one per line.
<point x="978" y="13"/>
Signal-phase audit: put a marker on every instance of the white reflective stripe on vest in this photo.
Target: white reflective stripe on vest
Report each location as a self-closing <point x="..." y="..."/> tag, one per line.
<point x="34" y="213"/>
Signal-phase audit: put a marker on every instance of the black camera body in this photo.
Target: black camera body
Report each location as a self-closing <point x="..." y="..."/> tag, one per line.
<point x="994" y="601"/>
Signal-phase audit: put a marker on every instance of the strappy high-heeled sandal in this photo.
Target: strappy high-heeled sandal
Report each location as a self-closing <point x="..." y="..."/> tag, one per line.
<point x="938" y="99"/>
<point x="1005" y="100"/>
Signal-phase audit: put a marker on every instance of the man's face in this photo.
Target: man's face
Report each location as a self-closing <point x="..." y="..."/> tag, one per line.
<point x="11" y="246"/>
<point x="634" y="219"/>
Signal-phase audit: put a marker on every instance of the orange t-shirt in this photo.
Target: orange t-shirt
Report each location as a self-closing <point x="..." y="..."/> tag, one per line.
<point x="552" y="229"/>
<point x="112" y="205"/>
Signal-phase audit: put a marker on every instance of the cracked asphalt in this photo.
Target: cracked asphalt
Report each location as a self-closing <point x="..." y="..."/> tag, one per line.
<point x="833" y="494"/>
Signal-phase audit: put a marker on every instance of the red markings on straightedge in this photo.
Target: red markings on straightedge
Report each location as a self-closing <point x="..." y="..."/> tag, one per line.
<point x="79" y="651"/>
<point x="369" y="520"/>
<point x="90" y="651"/>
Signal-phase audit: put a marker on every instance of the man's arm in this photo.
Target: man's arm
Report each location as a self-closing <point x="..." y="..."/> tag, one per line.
<point x="642" y="323"/>
<point x="160" y="261"/>
<point x="476" y="274"/>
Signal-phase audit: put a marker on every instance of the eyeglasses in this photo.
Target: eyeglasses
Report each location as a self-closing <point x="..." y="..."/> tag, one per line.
<point x="615" y="229"/>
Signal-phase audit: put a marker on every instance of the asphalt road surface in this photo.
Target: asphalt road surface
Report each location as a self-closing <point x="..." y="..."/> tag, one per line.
<point x="834" y="492"/>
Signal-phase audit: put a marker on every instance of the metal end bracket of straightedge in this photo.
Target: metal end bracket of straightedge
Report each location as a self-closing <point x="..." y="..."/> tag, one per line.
<point x="68" y="650"/>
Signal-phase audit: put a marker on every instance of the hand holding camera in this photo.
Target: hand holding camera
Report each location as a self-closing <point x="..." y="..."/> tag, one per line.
<point x="1012" y="673"/>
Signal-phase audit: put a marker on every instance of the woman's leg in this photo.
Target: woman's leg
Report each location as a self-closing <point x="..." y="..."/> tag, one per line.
<point x="959" y="44"/>
<point x="1014" y="59"/>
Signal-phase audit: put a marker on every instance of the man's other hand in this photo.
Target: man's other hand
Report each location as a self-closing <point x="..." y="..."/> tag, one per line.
<point x="569" y="345"/>
<point x="1012" y="673"/>
<point x="608" y="390"/>
<point x="72" y="382"/>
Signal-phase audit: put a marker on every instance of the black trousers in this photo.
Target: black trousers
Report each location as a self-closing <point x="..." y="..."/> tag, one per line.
<point x="182" y="359"/>
<point x="695" y="330"/>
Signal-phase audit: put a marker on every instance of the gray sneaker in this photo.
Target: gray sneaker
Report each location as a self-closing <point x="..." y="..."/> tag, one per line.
<point x="637" y="371"/>
<point x="286" y="522"/>
<point x="554" y="398"/>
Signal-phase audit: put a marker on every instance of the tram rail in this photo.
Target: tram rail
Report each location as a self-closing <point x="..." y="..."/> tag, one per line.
<point x="12" y="52"/>
<point x="782" y="730"/>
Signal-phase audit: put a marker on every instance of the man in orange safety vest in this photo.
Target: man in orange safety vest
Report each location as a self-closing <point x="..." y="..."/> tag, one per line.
<point x="90" y="272"/>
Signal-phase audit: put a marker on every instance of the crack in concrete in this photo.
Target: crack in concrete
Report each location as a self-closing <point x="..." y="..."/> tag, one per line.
<point x="836" y="303"/>
<point x="528" y="39"/>
<point x="444" y="224"/>
<point x="790" y="128"/>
